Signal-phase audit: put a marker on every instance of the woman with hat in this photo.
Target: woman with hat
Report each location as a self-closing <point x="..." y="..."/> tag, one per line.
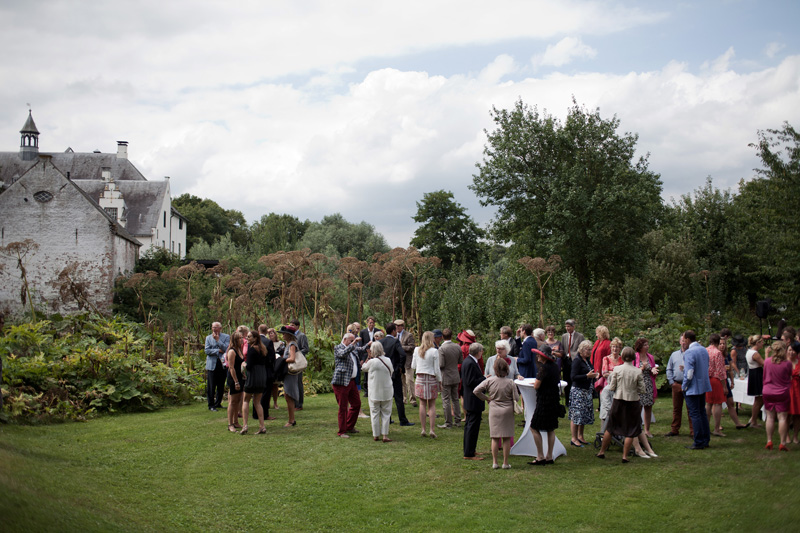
<point x="292" y="382"/>
<point x="545" y="417"/>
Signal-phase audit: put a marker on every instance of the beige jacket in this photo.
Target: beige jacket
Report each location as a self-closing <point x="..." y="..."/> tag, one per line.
<point x="627" y="382"/>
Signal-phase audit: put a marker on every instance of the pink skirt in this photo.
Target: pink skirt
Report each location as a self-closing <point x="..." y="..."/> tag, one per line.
<point x="776" y="402"/>
<point x="426" y="387"/>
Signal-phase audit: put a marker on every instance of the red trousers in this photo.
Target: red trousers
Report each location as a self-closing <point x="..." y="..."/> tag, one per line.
<point x="347" y="396"/>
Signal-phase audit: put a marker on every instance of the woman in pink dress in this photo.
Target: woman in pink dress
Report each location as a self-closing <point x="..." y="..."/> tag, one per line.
<point x="777" y="381"/>
<point x="794" y="389"/>
<point x="716" y="372"/>
<point x="601" y="348"/>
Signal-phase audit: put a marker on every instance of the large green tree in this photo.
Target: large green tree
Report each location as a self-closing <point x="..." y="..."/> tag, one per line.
<point x="275" y="232"/>
<point x="575" y="189"/>
<point x="208" y="221"/>
<point x="336" y="237"/>
<point x="446" y="230"/>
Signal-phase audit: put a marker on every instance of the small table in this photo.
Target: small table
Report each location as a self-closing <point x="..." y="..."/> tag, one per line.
<point x="525" y="445"/>
<point x="740" y="395"/>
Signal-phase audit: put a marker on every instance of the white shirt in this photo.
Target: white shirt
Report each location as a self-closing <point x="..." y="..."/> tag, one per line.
<point x="428" y="365"/>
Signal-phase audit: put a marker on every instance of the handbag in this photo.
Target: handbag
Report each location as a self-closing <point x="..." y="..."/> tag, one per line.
<point x="518" y="409"/>
<point x="300" y="363"/>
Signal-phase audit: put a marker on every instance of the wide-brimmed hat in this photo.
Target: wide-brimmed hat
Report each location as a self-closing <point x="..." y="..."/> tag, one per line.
<point x="399" y="322"/>
<point x="545" y="352"/>
<point x="466" y="335"/>
<point x="290" y="329"/>
<point x="739" y="340"/>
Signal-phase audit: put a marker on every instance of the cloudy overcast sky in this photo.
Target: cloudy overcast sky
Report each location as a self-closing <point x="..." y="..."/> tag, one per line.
<point x="360" y="107"/>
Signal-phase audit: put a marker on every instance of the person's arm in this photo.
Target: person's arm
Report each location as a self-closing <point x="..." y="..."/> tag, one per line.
<point x="688" y="369"/>
<point x="231" y="361"/>
<point x="758" y="359"/>
<point x="340" y="351"/>
<point x="436" y="367"/>
<point x="414" y="359"/>
<point x="671" y="370"/>
<point x="292" y="352"/>
<point x="479" y="391"/>
<point x="211" y="347"/>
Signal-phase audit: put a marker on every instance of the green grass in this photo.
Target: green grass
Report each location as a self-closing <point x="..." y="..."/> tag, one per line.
<point x="180" y="469"/>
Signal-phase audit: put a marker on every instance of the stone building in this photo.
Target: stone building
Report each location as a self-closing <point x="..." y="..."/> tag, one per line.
<point x="83" y="218"/>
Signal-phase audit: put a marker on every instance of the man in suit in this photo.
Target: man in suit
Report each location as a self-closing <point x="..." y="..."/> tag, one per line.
<point x="392" y="349"/>
<point x="696" y="384"/>
<point x="526" y="362"/>
<point x="267" y="396"/>
<point x="302" y="343"/>
<point x="215" y="348"/>
<point x="367" y="335"/>
<point x="506" y="335"/>
<point x="570" y="341"/>
<point x="406" y="339"/>
<point x="471" y="377"/>
<point x="449" y="358"/>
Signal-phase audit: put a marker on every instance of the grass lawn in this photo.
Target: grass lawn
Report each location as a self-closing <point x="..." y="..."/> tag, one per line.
<point x="180" y="469"/>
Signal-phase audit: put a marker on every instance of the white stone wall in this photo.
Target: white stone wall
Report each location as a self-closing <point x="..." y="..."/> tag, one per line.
<point x="70" y="232"/>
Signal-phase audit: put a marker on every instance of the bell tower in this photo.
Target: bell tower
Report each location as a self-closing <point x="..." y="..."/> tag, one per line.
<point x="29" y="140"/>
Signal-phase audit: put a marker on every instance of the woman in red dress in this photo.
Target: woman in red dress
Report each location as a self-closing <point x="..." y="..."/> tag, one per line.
<point x="794" y="389"/>
<point x="716" y="372"/>
<point x="600" y="350"/>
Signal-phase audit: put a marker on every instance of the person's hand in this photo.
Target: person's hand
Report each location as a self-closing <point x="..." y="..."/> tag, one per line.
<point x="216" y="336"/>
<point x="237" y="385"/>
<point x="654" y="371"/>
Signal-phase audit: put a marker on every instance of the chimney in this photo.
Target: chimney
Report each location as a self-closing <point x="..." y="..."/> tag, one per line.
<point x="122" y="149"/>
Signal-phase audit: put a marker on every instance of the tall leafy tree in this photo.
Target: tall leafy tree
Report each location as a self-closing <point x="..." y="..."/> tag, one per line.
<point x="208" y="221"/>
<point x="336" y="237"/>
<point x="575" y="189"/>
<point x="446" y="231"/>
<point x="277" y="232"/>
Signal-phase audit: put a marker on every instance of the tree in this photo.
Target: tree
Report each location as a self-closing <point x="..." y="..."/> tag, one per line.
<point x="208" y="221"/>
<point x="336" y="237"/>
<point x="277" y="232"/>
<point x="573" y="189"/>
<point x="447" y="232"/>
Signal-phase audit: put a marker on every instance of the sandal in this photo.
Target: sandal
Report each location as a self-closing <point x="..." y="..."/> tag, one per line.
<point x="387" y="439"/>
<point x="231" y="428"/>
<point x="432" y="435"/>
<point x="261" y="431"/>
<point x="243" y="431"/>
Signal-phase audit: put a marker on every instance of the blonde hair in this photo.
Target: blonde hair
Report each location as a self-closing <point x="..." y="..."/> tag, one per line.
<point x="584" y="345"/>
<point x="778" y="352"/>
<point x="752" y="340"/>
<point x="426" y="344"/>
<point x="602" y="332"/>
<point x="617" y="342"/>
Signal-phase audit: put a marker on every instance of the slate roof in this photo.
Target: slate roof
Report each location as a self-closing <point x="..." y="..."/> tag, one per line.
<point x="79" y="166"/>
<point x="142" y="198"/>
<point x="30" y="125"/>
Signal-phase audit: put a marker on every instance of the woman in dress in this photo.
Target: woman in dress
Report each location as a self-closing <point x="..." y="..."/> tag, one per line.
<point x="429" y="378"/>
<point x="646" y="362"/>
<point x="731" y="371"/>
<point x="610" y="362"/>
<point x="793" y="353"/>
<point x="716" y="372"/>
<point x="625" y="418"/>
<point x="255" y="380"/>
<point x="379" y="377"/>
<point x="502" y="349"/>
<point x="235" y="380"/>
<point x="292" y="382"/>
<point x="601" y="349"/>
<point x="545" y="418"/>
<point x="556" y="348"/>
<point x="755" y="376"/>
<point x="581" y="407"/>
<point x="501" y="393"/>
<point x="278" y="346"/>
<point x="777" y="381"/>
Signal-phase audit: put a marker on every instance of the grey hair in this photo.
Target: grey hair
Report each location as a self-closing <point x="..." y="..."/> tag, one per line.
<point x="503" y="342"/>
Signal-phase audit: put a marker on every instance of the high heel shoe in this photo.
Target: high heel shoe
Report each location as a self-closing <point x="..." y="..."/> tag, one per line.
<point x="432" y="435"/>
<point x="768" y="446"/>
<point x="290" y="424"/>
<point x="261" y="431"/>
<point x="783" y="448"/>
<point x="642" y="455"/>
<point x="243" y="431"/>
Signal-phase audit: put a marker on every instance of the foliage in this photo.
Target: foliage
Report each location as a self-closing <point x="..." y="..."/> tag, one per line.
<point x="77" y="367"/>
<point x="156" y="259"/>
<point x="275" y="233"/>
<point x="573" y="189"/>
<point x="207" y="221"/>
<point x="336" y="237"/>
<point x="446" y="231"/>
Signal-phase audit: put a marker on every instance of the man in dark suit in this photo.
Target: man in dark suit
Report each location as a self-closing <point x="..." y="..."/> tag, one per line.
<point x="366" y="335"/>
<point x="526" y="362"/>
<point x="267" y="396"/>
<point x="471" y="377"/>
<point x="570" y="341"/>
<point x="395" y="353"/>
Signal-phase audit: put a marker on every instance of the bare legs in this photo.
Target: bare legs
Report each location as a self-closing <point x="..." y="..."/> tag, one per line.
<point x="770" y="425"/>
<point x="537" y="438"/>
<point x="427" y="408"/>
<point x="234" y="407"/>
<point x="648" y="416"/>
<point x="732" y="411"/>
<point x="626" y="447"/>
<point x="259" y="410"/>
<point x="497" y="442"/>
<point x="715" y="410"/>
<point x="274" y="395"/>
<point x="290" y="408"/>
<point x="796" y="423"/>
<point x="758" y="403"/>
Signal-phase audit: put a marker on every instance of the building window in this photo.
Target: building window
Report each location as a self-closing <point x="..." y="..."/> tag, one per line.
<point x="172" y="248"/>
<point x="164" y="245"/>
<point x="112" y="211"/>
<point x="165" y="219"/>
<point x="180" y="223"/>
<point x="179" y="249"/>
<point x="42" y="197"/>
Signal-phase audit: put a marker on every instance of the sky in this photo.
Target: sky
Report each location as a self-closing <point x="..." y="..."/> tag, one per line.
<point x="360" y="107"/>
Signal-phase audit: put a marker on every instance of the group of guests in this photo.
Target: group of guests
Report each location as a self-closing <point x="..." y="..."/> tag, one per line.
<point x="388" y="366"/>
<point x="252" y="364"/>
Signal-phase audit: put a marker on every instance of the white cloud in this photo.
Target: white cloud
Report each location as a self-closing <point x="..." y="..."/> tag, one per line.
<point x="773" y="48"/>
<point x="564" y="51"/>
<point x="722" y="63"/>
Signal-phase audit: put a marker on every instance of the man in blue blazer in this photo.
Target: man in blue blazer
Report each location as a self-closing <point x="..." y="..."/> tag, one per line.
<point x="696" y="384"/>
<point x="471" y="377"/>
<point x="216" y="346"/>
<point x="526" y="362"/>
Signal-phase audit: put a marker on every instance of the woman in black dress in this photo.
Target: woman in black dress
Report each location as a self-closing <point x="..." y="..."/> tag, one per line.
<point x="545" y="418"/>
<point x="235" y="380"/>
<point x="255" y="379"/>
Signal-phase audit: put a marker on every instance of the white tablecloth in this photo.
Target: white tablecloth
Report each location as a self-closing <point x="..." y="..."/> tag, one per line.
<point x="740" y="395"/>
<point x="525" y="445"/>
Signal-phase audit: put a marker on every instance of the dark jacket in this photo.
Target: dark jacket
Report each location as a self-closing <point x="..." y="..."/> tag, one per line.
<point x="471" y="377"/>
<point x="395" y="353"/>
<point x="581" y="367"/>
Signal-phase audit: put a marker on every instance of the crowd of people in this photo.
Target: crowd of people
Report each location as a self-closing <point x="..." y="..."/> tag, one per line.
<point x="387" y="366"/>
